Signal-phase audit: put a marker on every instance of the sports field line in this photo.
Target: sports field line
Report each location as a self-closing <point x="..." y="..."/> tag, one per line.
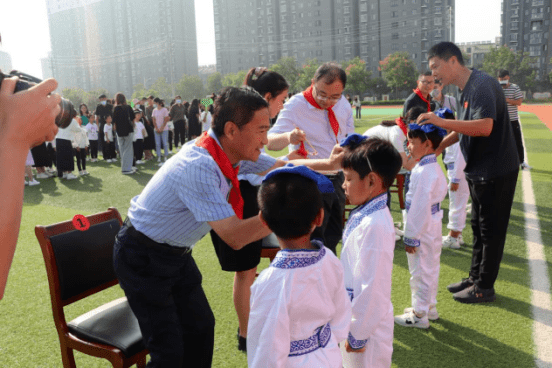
<point x="540" y="284"/>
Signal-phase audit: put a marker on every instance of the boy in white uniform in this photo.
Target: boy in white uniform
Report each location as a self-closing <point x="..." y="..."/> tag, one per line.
<point x="459" y="193"/>
<point x="370" y="165"/>
<point x="300" y="310"/>
<point x="422" y="234"/>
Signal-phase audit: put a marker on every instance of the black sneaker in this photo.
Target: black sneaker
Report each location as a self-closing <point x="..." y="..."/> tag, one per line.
<point x="475" y="294"/>
<point x="242" y="342"/>
<point x="459" y="286"/>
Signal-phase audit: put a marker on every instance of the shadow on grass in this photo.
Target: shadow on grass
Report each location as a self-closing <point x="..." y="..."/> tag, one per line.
<point x="448" y="344"/>
<point x="87" y="184"/>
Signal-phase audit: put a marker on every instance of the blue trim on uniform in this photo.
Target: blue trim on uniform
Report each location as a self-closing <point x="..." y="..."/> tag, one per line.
<point x="428" y="159"/>
<point x="450" y="166"/>
<point x="436" y="207"/>
<point x="299" y="258"/>
<point x="411" y="242"/>
<point x="358" y="214"/>
<point x="354" y="343"/>
<point x="351" y="293"/>
<point x="319" y="340"/>
<point x="454" y="180"/>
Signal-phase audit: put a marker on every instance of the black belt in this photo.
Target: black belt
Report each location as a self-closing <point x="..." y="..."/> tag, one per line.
<point x="150" y="243"/>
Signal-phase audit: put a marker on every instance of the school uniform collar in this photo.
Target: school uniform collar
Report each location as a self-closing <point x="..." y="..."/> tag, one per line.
<point x="299" y="258"/>
<point x="375" y="204"/>
<point x="428" y="159"/>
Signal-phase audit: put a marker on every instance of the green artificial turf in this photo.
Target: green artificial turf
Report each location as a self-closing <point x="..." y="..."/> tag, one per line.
<point x="493" y="335"/>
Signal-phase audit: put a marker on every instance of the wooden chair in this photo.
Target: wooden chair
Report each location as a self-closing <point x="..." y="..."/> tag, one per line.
<point x="80" y="264"/>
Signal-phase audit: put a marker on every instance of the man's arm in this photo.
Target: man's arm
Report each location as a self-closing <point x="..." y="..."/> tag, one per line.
<point x="474" y="128"/>
<point x="238" y="233"/>
<point x="279" y="141"/>
<point x="328" y="164"/>
<point x="514" y="102"/>
<point x="449" y="140"/>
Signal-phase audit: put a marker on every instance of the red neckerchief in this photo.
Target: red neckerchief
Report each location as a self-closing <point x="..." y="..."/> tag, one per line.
<point x="401" y="124"/>
<point x="419" y="93"/>
<point x="230" y="172"/>
<point x="333" y="120"/>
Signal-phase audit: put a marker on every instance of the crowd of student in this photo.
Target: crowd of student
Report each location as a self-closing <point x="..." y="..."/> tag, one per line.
<point x="118" y="131"/>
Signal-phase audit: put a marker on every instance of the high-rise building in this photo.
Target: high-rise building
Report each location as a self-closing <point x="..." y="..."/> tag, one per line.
<point x="46" y="64"/>
<point x="5" y="62"/>
<point x="476" y="51"/>
<point x="116" y="44"/>
<point x="525" y="26"/>
<point x="259" y="32"/>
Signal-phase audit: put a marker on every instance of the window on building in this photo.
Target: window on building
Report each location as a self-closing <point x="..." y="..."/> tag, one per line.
<point x="394" y="14"/>
<point x="438" y="21"/>
<point x="534" y="51"/>
<point x="514" y="26"/>
<point x="513" y="37"/>
<point x="535" y="38"/>
<point x="536" y="25"/>
<point x="395" y="36"/>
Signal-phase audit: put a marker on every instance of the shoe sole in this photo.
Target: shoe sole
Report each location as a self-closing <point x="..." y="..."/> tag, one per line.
<point x="488" y="299"/>
<point x="430" y="316"/>
<point x="415" y="325"/>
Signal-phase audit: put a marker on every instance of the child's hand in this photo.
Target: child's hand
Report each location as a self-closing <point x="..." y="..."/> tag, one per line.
<point x="454" y="187"/>
<point x="349" y="349"/>
<point x="410" y="249"/>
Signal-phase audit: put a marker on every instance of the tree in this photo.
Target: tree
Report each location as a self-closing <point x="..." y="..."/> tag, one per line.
<point x="307" y="73"/>
<point x="214" y="83"/>
<point x="160" y="88"/>
<point x="76" y="95"/>
<point x="234" y="79"/>
<point x="358" y="78"/>
<point x="190" y="87"/>
<point x="139" y="91"/>
<point x="519" y="64"/>
<point x="379" y="87"/>
<point x="287" y="67"/>
<point x="399" y="71"/>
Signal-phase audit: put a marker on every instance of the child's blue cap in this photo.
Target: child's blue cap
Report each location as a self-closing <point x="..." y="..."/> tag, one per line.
<point x="324" y="184"/>
<point x="353" y="140"/>
<point x="428" y="128"/>
<point x="443" y="111"/>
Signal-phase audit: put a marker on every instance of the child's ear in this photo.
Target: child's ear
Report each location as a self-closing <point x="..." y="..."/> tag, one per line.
<point x="262" y="219"/>
<point x="319" y="218"/>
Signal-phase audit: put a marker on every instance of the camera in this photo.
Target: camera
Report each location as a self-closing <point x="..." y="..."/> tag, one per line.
<point x="26" y="81"/>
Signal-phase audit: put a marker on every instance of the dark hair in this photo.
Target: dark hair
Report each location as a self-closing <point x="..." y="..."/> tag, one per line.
<point x="503" y="73"/>
<point x="80" y="110"/>
<point x="330" y="72"/>
<point x="445" y="50"/>
<point x="151" y="97"/>
<point x="136" y="112"/>
<point x="157" y="100"/>
<point x="237" y="105"/>
<point x="433" y="136"/>
<point x="388" y="123"/>
<point x="265" y="81"/>
<point x="120" y="99"/>
<point x="413" y="113"/>
<point x="143" y="98"/>
<point x="289" y="204"/>
<point x="384" y="159"/>
<point x="102" y="96"/>
<point x="177" y="96"/>
<point x="427" y="73"/>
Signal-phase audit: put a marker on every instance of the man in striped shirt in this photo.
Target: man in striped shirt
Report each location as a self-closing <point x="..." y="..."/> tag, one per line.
<point x="191" y="194"/>
<point x="514" y="98"/>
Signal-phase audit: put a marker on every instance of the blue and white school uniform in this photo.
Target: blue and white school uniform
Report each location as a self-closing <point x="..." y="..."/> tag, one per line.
<point x="300" y="311"/>
<point x="428" y="188"/>
<point x="367" y="259"/>
<point x="454" y="159"/>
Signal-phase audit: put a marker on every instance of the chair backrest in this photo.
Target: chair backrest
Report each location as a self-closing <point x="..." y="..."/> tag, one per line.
<point x="79" y="263"/>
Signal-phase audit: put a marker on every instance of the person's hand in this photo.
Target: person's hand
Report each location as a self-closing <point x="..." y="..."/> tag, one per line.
<point x="27" y="118"/>
<point x="297" y="136"/>
<point x="349" y="349"/>
<point x="337" y="156"/>
<point x="429" y="118"/>
<point x="295" y="155"/>
<point x="454" y="187"/>
<point x="410" y="249"/>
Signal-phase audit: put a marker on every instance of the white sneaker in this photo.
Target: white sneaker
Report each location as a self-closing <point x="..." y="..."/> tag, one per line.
<point x="450" y="242"/>
<point x="165" y="159"/>
<point x="64" y="176"/>
<point x="70" y="176"/>
<point x="410" y="319"/>
<point x="468" y="207"/>
<point x="460" y="239"/>
<point x="108" y="160"/>
<point x="397" y="238"/>
<point x="114" y="159"/>
<point x="399" y="232"/>
<point x="158" y="159"/>
<point x="160" y="163"/>
<point x="134" y="168"/>
<point x="139" y="162"/>
<point x="84" y="172"/>
<point x="524" y="165"/>
<point x="432" y="315"/>
<point x="42" y="176"/>
<point x="33" y="182"/>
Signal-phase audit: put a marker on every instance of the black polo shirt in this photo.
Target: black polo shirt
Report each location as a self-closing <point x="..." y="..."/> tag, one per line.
<point x="495" y="155"/>
<point x="415" y="100"/>
<point x="103" y="111"/>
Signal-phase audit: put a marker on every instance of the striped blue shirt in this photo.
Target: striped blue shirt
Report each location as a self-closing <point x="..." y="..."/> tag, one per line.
<point x="188" y="191"/>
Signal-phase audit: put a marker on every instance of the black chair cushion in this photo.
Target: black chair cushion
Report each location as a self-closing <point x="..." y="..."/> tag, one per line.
<point x="84" y="259"/>
<point x="111" y="324"/>
<point x="270" y="241"/>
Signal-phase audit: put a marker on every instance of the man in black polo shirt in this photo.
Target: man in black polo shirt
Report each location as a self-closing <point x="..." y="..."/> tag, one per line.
<point x="177" y="113"/>
<point x="421" y="95"/>
<point x="492" y="164"/>
<point x="103" y="110"/>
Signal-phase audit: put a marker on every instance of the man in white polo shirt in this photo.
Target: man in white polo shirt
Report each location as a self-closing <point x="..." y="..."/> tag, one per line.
<point x="195" y="191"/>
<point x="313" y="122"/>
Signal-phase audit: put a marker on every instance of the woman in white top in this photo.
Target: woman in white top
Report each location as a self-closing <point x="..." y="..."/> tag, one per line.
<point x="64" y="149"/>
<point x="206" y="117"/>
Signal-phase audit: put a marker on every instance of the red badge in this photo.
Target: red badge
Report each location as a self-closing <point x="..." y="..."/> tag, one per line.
<point x="465" y="104"/>
<point x="81" y="223"/>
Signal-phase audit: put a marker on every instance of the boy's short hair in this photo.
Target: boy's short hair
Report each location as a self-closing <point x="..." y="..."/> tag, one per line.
<point x="433" y="136"/>
<point x="502" y="73"/>
<point x="384" y="159"/>
<point x="413" y="113"/>
<point x="289" y="204"/>
<point x="102" y="96"/>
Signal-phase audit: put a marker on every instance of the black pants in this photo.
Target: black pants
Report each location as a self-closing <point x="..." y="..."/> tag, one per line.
<point x="491" y="205"/>
<point x="109" y="150"/>
<point x="179" y="132"/>
<point x="519" y="141"/>
<point x="138" y="146"/>
<point x="101" y="139"/>
<point x="358" y="112"/>
<point x="93" y="148"/>
<point x="331" y="230"/>
<point x="164" y="291"/>
<point x="81" y="158"/>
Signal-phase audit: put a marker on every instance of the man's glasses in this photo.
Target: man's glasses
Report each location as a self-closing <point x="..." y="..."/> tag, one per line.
<point x="427" y="82"/>
<point x="325" y="98"/>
